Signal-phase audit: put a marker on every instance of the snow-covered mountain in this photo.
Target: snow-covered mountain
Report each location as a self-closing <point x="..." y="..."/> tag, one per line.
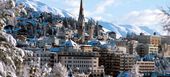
<point x="39" y="6"/>
<point x="121" y="30"/>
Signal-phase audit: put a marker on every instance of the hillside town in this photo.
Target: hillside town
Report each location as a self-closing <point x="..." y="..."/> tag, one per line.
<point x="56" y="46"/>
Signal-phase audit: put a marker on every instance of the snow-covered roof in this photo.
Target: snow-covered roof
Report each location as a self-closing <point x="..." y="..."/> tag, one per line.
<point x="32" y="22"/>
<point x="54" y="49"/>
<point x="17" y="29"/>
<point x="93" y="42"/>
<point x="86" y="45"/>
<point x="111" y="42"/>
<point x="86" y="34"/>
<point x="20" y="18"/>
<point x="125" y="74"/>
<point x="107" y="46"/>
<point x="32" y="39"/>
<point x="149" y="57"/>
<point x="43" y="38"/>
<point x="96" y="42"/>
<point x="70" y="43"/>
<point x="102" y="42"/>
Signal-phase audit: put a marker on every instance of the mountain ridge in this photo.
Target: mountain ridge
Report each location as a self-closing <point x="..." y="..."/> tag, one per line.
<point x="121" y="30"/>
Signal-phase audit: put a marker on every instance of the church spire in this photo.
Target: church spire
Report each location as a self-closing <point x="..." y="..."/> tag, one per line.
<point x="81" y="24"/>
<point x="81" y="14"/>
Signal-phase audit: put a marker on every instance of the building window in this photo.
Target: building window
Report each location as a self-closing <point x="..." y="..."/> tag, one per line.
<point x="69" y="61"/>
<point x="69" y="57"/>
<point x="37" y="55"/>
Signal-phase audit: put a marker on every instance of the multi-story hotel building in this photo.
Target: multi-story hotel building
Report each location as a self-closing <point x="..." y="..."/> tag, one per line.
<point x="141" y="49"/>
<point x="87" y="62"/>
<point x="106" y="60"/>
<point x="165" y="40"/>
<point x="166" y="51"/>
<point x="42" y="56"/>
<point x="144" y="49"/>
<point x="155" y="40"/>
<point x="146" y="66"/>
<point x="147" y="39"/>
<point x="122" y="62"/>
<point x="152" y="49"/>
<point x="80" y="56"/>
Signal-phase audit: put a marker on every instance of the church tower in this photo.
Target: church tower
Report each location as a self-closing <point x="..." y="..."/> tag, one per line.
<point x="81" y="24"/>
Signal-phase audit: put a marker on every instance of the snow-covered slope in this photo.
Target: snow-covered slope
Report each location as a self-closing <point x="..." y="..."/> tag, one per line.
<point x="121" y="30"/>
<point x="39" y="6"/>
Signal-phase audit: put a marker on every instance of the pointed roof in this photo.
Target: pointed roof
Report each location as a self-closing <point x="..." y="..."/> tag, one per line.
<point x="81" y="8"/>
<point x="81" y="14"/>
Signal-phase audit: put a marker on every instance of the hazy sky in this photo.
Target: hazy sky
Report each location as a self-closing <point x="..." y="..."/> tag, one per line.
<point x="137" y="12"/>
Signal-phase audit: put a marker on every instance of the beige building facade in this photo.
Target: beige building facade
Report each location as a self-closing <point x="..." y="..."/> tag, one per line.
<point x="146" y="66"/>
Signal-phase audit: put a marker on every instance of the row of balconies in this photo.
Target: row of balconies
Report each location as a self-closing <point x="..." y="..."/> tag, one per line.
<point x="84" y="58"/>
<point x="80" y="61"/>
<point x="142" y="71"/>
<point x="83" y="54"/>
<point x="79" y="65"/>
<point x="146" y="68"/>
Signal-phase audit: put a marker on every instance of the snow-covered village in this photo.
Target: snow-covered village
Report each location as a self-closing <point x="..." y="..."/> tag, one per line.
<point x="37" y="40"/>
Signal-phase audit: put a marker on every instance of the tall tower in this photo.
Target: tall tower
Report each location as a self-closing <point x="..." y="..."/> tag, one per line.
<point x="81" y="24"/>
<point x="91" y="32"/>
<point x="91" y="28"/>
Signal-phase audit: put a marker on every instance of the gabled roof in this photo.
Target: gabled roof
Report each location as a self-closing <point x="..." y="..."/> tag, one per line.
<point x="95" y="42"/>
<point x="70" y="43"/>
